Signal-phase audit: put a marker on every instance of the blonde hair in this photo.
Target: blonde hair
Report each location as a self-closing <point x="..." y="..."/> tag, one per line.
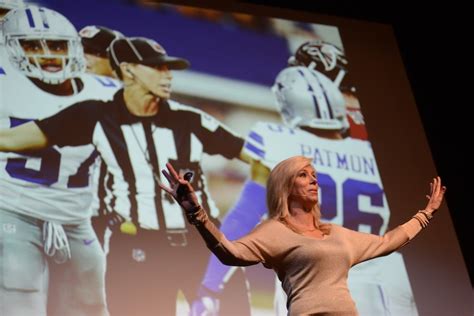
<point x="279" y="186"/>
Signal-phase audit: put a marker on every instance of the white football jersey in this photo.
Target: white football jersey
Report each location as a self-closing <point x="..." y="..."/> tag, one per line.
<point x="53" y="183"/>
<point x="351" y="194"/>
<point x="351" y="191"/>
<point x="377" y="292"/>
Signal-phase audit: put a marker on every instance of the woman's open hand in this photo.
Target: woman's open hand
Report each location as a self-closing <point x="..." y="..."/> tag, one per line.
<point x="436" y="195"/>
<point x="180" y="189"/>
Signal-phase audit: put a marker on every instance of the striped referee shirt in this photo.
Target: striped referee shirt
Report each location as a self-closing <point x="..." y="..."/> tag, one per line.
<point x="135" y="149"/>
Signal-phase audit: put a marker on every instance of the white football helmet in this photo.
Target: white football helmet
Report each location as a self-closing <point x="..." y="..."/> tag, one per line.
<point x="44" y="29"/>
<point x="306" y="97"/>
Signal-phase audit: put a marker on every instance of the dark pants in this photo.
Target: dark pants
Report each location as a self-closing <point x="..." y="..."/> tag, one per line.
<point x="146" y="271"/>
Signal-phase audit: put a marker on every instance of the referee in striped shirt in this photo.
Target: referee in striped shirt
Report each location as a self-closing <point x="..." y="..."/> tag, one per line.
<point x="152" y="252"/>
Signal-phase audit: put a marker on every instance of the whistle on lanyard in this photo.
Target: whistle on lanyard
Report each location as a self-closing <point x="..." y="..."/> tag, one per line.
<point x="128" y="228"/>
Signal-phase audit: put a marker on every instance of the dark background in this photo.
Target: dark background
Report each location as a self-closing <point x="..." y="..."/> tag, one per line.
<point x="433" y="43"/>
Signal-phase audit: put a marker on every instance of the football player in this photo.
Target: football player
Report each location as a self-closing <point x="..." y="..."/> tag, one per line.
<point x="313" y="110"/>
<point x="331" y="61"/>
<point x="51" y="261"/>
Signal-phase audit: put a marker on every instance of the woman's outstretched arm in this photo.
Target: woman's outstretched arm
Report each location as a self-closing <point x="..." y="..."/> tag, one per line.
<point x="230" y="253"/>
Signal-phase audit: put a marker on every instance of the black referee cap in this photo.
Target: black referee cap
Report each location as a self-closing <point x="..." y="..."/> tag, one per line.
<point x="140" y="50"/>
<point x="96" y="39"/>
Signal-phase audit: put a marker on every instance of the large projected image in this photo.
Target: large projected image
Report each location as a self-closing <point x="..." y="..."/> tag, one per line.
<point x="86" y="228"/>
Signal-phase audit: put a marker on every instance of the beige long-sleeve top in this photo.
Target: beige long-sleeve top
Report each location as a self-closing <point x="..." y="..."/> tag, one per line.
<point x="313" y="271"/>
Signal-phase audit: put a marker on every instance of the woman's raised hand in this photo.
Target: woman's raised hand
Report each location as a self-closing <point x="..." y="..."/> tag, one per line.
<point x="180" y="188"/>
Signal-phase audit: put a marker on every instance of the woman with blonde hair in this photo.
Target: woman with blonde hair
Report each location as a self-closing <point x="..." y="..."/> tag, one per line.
<point x="311" y="259"/>
<point x="279" y="187"/>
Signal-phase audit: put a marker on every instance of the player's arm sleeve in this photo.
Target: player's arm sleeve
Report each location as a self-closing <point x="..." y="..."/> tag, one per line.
<point x="259" y="145"/>
<point x="368" y="246"/>
<point x="72" y="126"/>
<point x="254" y="146"/>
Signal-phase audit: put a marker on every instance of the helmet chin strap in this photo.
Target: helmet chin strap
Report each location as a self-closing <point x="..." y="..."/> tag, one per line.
<point x="339" y="77"/>
<point x="75" y="89"/>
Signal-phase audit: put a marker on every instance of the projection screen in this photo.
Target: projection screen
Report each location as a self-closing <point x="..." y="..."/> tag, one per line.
<point x="371" y="180"/>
